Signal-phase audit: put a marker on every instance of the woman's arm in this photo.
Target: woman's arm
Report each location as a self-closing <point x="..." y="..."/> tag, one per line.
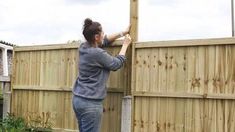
<point x="115" y="36"/>
<point x="114" y="63"/>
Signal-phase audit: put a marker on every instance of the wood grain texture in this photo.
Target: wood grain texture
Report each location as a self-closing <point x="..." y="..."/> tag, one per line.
<point x="43" y="78"/>
<point x="184" y="85"/>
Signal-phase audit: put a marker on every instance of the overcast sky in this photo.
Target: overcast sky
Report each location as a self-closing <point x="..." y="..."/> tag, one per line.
<point x="30" y="22"/>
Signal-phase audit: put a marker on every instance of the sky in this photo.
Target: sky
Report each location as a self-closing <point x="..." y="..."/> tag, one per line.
<point x="31" y="22"/>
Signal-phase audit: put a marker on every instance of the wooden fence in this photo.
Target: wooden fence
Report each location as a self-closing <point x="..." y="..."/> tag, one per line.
<point x="184" y="86"/>
<point x="42" y="81"/>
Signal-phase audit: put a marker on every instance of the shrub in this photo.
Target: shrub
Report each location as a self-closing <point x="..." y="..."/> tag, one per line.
<point x="39" y="122"/>
<point x="12" y="123"/>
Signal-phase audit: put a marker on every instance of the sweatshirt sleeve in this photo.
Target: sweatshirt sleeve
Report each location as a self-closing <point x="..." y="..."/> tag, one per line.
<point x="110" y="62"/>
<point x="106" y="42"/>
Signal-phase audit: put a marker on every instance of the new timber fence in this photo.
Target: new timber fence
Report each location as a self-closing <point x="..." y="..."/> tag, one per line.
<point x="42" y="81"/>
<point x="185" y="85"/>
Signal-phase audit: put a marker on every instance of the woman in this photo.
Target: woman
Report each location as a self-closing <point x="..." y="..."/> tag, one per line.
<point x="95" y="65"/>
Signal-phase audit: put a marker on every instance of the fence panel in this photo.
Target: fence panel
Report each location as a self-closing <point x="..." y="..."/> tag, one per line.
<point x="43" y="77"/>
<point x="184" y="86"/>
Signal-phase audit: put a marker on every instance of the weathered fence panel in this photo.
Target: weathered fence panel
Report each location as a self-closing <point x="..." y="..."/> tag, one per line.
<point x="43" y="77"/>
<point x="184" y="86"/>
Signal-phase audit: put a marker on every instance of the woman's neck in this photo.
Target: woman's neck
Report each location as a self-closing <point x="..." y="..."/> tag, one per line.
<point x="95" y="44"/>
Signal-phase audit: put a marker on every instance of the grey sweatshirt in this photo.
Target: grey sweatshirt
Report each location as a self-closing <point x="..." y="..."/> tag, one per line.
<point x="94" y="68"/>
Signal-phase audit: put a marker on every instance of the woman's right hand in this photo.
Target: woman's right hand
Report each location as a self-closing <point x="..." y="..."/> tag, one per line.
<point x="127" y="40"/>
<point x="126" y="43"/>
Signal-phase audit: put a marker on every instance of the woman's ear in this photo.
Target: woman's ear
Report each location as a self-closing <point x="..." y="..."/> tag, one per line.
<point x="97" y="37"/>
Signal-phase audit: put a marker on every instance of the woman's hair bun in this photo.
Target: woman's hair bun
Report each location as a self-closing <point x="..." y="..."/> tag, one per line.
<point x="87" y="22"/>
<point x="90" y="29"/>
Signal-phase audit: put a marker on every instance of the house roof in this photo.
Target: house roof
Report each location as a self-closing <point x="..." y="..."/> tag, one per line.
<point x="7" y="43"/>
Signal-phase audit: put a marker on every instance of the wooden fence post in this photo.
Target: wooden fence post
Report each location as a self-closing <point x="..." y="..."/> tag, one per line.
<point x="127" y="112"/>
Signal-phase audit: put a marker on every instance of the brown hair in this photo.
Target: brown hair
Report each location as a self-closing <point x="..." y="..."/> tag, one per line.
<point x="90" y="29"/>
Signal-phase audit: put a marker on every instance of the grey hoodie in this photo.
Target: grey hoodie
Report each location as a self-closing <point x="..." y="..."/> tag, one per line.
<point x="94" y="68"/>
